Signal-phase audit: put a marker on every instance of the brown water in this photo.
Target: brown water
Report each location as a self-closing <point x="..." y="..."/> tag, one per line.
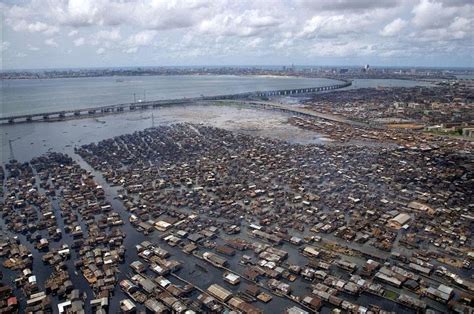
<point x="28" y="140"/>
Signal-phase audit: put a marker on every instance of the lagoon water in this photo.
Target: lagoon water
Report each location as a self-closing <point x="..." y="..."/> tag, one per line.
<point x="27" y="96"/>
<point x="46" y="95"/>
<point x="24" y="141"/>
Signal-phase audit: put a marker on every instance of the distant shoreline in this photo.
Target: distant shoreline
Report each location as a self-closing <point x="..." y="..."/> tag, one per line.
<point x="328" y="73"/>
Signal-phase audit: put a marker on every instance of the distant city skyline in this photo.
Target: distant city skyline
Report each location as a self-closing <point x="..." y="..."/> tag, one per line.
<point x="86" y="34"/>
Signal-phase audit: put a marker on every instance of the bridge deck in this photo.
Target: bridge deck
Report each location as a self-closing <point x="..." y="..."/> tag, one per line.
<point x="305" y="112"/>
<point x="139" y="105"/>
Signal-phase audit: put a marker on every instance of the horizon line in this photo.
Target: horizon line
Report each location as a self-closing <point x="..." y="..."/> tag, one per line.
<point x="4" y="70"/>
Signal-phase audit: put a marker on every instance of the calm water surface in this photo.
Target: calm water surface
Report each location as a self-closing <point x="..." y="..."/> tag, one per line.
<point x="46" y="95"/>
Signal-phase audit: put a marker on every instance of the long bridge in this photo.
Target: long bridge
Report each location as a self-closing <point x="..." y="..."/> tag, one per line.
<point x="303" y="112"/>
<point x="100" y="110"/>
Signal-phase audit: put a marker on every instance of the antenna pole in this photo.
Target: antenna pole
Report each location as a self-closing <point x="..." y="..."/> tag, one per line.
<point x="12" y="156"/>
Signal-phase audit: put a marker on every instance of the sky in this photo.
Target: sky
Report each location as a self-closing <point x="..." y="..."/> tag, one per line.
<point x="106" y="33"/>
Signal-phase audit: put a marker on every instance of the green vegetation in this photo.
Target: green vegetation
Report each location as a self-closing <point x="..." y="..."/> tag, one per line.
<point x="391" y="295"/>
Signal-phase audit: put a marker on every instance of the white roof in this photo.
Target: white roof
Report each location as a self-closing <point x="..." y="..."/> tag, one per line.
<point x="231" y="276"/>
<point x="445" y="289"/>
<point x="401" y="218"/>
<point x="61" y="306"/>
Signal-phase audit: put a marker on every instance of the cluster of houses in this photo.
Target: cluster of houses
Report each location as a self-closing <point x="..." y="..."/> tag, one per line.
<point x="209" y="220"/>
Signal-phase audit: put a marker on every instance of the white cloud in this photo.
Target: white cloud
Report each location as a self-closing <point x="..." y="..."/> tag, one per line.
<point x="76" y="13"/>
<point x="393" y="28"/>
<point x="332" y="26"/>
<point x="131" y="50"/>
<point x="32" y="48"/>
<point x="433" y="14"/>
<point x="246" y="24"/>
<point x="438" y="22"/>
<point x="72" y="33"/>
<point x="142" y="38"/>
<point x="36" y="27"/>
<point x="51" y="42"/>
<point x="156" y="14"/>
<point x="341" y="49"/>
<point x="348" y="5"/>
<point x="4" y="46"/>
<point x="79" y="41"/>
<point x="107" y="36"/>
<point x="254" y="42"/>
<point x="282" y="30"/>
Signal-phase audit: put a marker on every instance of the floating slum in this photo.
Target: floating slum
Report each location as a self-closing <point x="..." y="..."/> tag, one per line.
<point x="421" y="105"/>
<point x="190" y="218"/>
<point x="339" y="220"/>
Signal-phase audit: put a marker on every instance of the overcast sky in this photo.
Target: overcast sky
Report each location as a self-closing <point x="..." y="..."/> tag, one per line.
<point x="95" y="33"/>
